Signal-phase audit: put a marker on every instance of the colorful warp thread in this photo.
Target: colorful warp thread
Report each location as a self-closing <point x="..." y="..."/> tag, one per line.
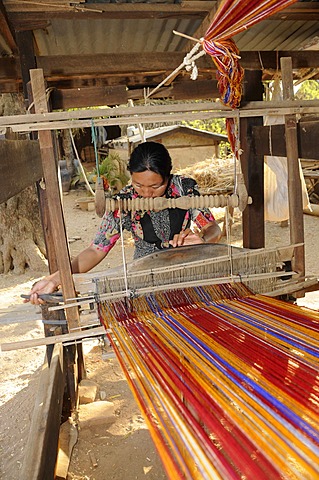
<point x="228" y="381"/>
<point x="231" y="18"/>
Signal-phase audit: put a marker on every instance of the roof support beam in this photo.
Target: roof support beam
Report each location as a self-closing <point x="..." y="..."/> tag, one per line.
<point x="27" y="58"/>
<point x="123" y="65"/>
<point x="119" y="94"/>
<point x="306" y="11"/>
<point x="26" y="16"/>
<point x="6" y="29"/>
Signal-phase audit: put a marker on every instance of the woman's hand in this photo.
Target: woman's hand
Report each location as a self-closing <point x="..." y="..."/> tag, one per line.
<point x="210" y="233"/>
<point x="85" y="261"/>
<point x="46" y="285"/>
<point x="186" y="237"/>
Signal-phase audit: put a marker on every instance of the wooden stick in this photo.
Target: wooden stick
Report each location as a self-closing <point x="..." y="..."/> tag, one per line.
<point x="196" y="40"/>
<point x="130" y="114"/>
<point x="39" y="342"/>
<point x="171" y="118"/>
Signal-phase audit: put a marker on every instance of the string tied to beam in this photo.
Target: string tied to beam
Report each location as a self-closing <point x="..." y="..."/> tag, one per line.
<point x="231" y="18"/>
<point x="190" y="59"/>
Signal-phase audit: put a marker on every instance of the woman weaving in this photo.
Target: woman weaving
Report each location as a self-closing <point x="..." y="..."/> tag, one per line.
<point x="150" y="167"/>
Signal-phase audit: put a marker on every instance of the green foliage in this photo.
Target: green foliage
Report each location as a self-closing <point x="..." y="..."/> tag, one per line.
<point x="309" y="90"/>
<point x="108" y="165"/>
<point x="216" y="125"/>
<point x="111" y="167"/>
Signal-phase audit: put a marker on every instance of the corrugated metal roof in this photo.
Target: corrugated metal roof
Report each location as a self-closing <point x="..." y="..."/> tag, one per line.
<point x="67" y="37"/>
<point x="277" y="35"/>
<point x="91" y="36"/>
<point x="140" y="28"/>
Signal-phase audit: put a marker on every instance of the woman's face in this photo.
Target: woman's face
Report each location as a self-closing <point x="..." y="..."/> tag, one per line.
<point x="148" y="184"/>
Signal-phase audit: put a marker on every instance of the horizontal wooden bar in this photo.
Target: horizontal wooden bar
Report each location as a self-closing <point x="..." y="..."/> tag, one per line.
<point x="67" y="337"/>
<point x="209" y="108"/>
<point x="169" y="118"/>
<point x="65" y="66"/>
<point x="62" y="99"/>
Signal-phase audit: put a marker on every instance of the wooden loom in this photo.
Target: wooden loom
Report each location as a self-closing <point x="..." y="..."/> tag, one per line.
<point x="226" y="379"/>
<point x="268" y="271"/>
<point x="297" y="285"/>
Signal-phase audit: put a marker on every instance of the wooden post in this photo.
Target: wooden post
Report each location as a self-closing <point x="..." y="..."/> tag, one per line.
<point x="49" y="165"/>
<point x="294" y="182"/>
<point x="27" y="57"/>
<point x="42" y="445"/>
<point x="55" y="216"/>
<point x="252" y="167"/>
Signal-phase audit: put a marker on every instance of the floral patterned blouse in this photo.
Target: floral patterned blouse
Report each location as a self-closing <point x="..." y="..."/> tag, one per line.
<point x="152" y="230"/>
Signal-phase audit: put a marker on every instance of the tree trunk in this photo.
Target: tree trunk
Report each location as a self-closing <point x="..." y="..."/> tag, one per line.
<point x="68" y="151"/>
<point x="21" y="235"/>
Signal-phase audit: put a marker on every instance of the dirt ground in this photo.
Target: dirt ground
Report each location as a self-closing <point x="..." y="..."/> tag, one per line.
<point x="122" y="446"/>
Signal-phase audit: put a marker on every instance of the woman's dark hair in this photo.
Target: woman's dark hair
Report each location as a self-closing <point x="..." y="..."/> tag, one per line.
<point x="151" y="156"/>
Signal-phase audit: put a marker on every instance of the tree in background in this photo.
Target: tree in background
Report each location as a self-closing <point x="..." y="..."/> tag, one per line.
<point x="21" y="236"/>
<point x="308" y="90"/>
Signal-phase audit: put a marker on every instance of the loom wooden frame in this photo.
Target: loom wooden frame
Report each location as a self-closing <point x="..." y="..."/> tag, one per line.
<point x="50" y="121"/>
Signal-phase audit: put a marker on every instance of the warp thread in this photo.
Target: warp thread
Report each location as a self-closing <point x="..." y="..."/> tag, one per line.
<point x="227" y="380"/>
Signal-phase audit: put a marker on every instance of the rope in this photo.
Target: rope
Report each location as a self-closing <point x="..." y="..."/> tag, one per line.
<point x="188" y="62"/>
<point x="80" y="164"/>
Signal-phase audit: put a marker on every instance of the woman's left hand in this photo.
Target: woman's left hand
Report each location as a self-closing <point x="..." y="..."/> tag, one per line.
<point x="186" y="237"/>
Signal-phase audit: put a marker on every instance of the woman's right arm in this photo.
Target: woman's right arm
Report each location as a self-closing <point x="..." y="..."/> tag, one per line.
<point x="85" y="261"/>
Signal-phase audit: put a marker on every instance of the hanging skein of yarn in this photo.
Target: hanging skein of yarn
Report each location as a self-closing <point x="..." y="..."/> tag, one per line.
<point x="231" y="18"/>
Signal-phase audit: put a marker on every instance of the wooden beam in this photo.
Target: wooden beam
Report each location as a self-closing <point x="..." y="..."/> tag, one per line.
<point x="122" y="66"/>
<point x="7" y="30"/>
<point x="305" y="11"/>
<point x="114" y="64"/>
<point x="26" y="14"/>
<point x="55" y="339"/>
<point x="250" y="109"/>
<point x="42" y="445"/>
<point x="63" y="99"/>
<point x="295" y="199"/>
<point x="271" y="140"/>
<point x="27" y="58"/>
<point x="191" y="90"/>
<point x="20" y="166"/>
<point x="152" y="115"/>
<point x="160" y="61"/>
<point x="53" y="194"/>
<point x="252" y="167"/>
